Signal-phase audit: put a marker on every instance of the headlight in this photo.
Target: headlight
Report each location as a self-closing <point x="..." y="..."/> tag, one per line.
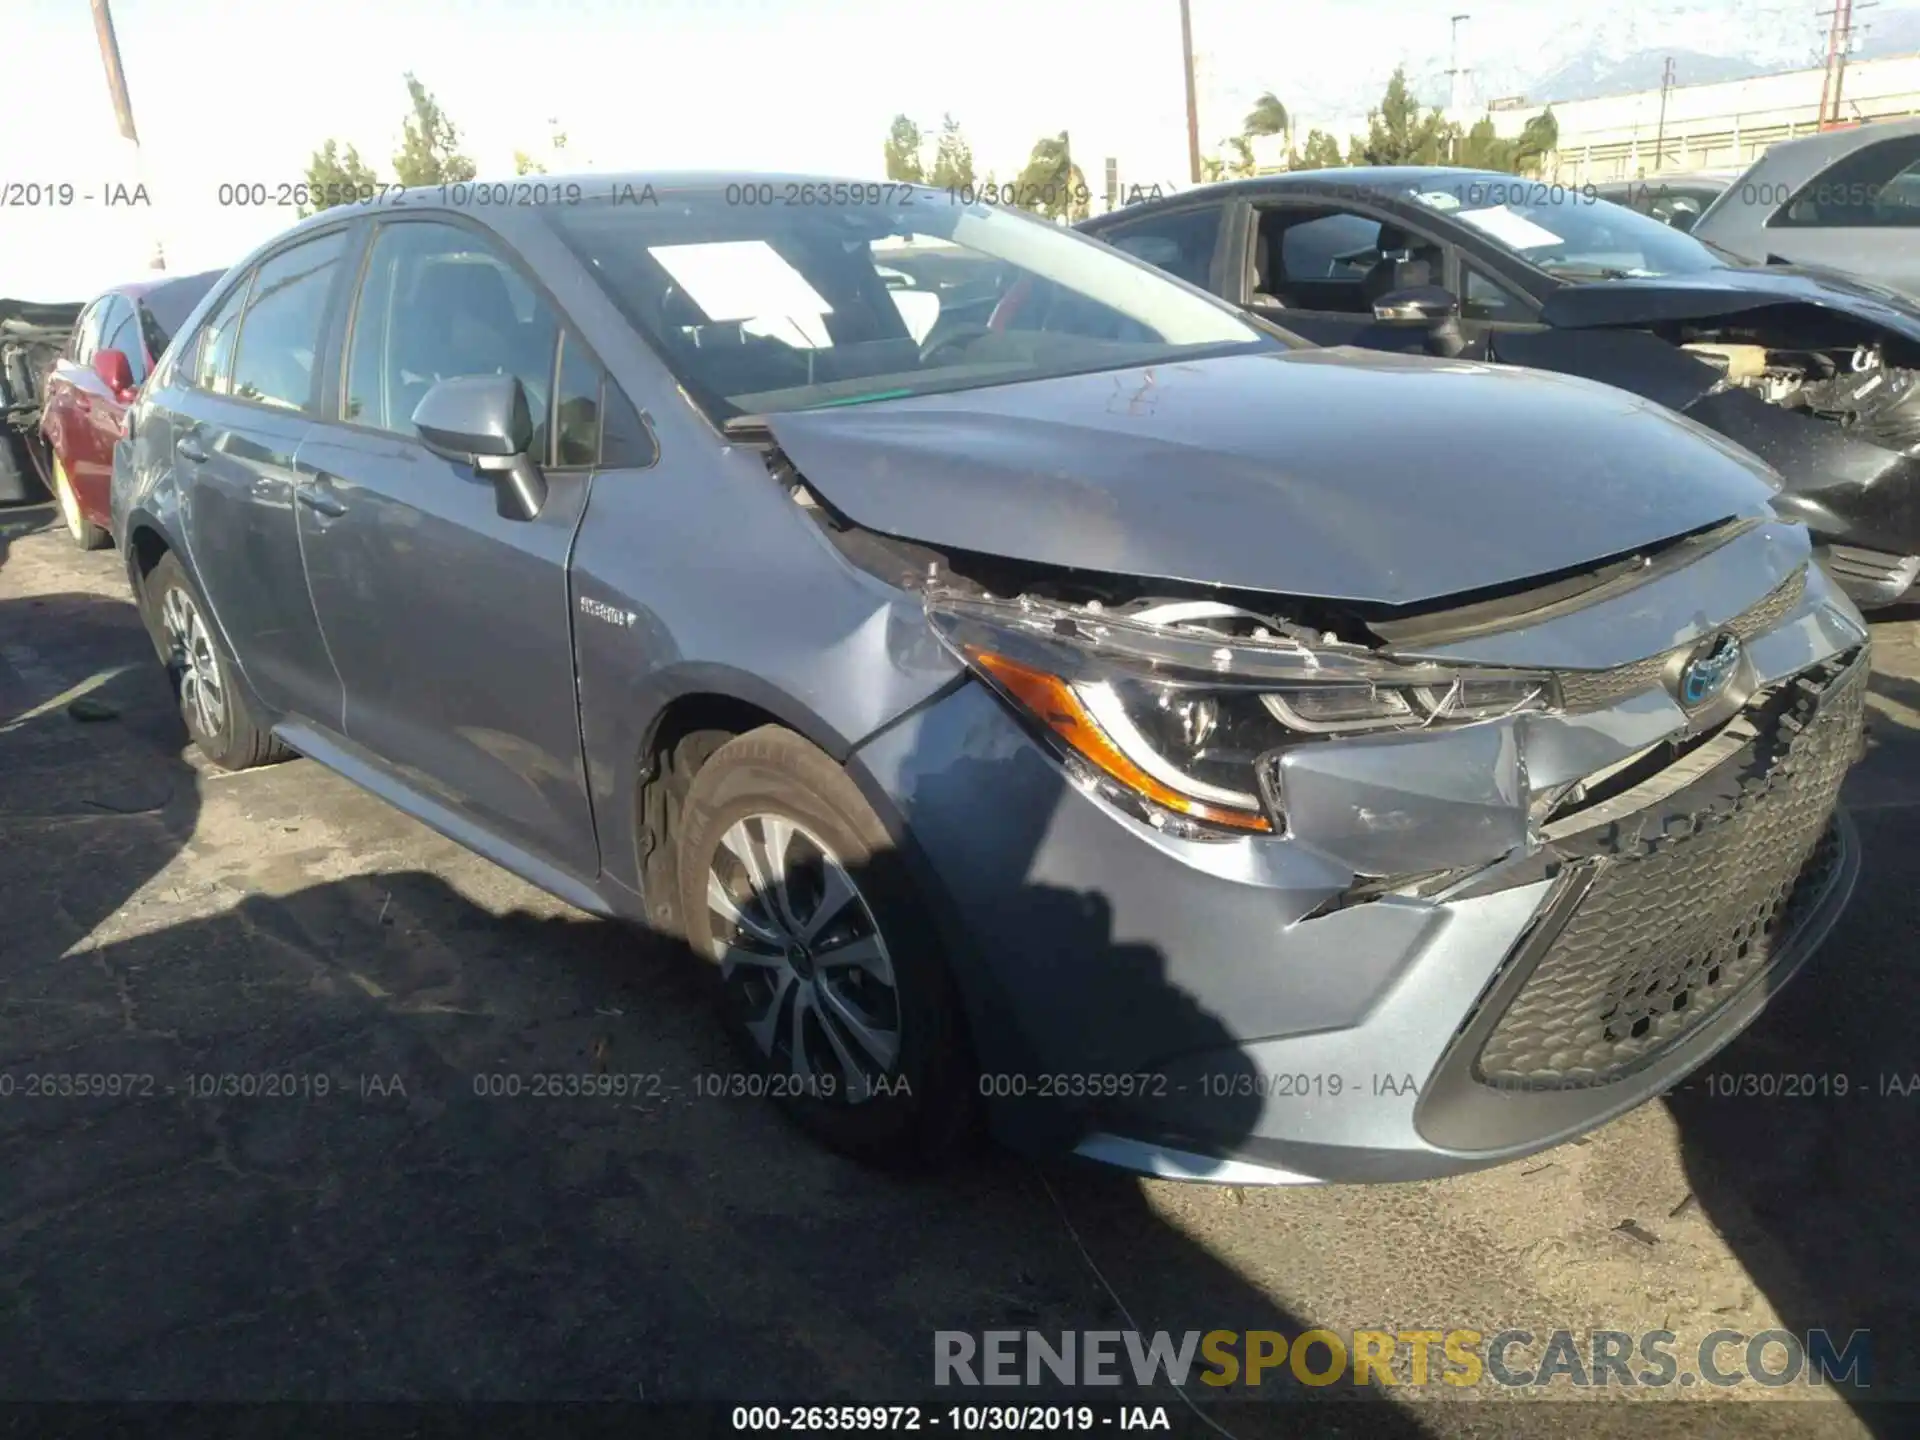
<point x="1177" y="721"/>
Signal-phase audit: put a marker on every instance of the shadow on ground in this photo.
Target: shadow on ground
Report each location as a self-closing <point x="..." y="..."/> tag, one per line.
<point x="1813" y="1189"/>
<point x="293" y="1148"/>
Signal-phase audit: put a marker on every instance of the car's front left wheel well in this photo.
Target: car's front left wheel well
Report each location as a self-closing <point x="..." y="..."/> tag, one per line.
<point x="683" y="739"/>
<point x="146" y="547"/>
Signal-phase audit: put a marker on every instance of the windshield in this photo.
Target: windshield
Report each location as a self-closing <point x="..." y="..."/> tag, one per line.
<point x="759" y="305"/>
<point x="1569" y="231"/>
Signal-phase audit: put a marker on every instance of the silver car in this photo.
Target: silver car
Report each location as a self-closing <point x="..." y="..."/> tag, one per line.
<point x="1846" y="199"/>
<point x="1200" y="751"/>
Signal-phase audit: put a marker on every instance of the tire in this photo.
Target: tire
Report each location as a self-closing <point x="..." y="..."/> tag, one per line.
<point x="83" y="532"/>
<point x="219" y="714"/>
<point x="897" y="1097"/>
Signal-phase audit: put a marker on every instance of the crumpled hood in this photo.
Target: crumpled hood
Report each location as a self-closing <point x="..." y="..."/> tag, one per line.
<point x="1336" y="473"/>
<point x="1735" y="290"/>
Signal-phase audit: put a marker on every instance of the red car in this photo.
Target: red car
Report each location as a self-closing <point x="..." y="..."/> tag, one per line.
<point x="114" y="346"/>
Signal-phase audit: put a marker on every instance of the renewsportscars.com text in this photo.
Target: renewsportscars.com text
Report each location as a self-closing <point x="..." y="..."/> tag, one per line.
<point x="1459" y="1357"/>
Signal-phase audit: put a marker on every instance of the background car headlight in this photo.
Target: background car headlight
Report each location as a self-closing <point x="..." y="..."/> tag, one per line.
<point x="1174" y="721"/>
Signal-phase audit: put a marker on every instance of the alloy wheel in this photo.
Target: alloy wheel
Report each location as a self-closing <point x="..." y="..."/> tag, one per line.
<point x="191" y="654"/>
<point x="800" y="950"/>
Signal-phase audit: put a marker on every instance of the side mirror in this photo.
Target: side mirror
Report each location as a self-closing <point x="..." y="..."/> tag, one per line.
<point x="1416" y="305"/>
<point x="483" y="421"/>
<point x="115" y="373"/>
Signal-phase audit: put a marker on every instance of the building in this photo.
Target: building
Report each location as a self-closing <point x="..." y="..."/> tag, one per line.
<point x="1706" y="127"/>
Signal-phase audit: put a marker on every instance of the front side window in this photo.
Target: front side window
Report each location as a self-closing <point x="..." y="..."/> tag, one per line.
<point x="1487" y="299"/>
<point x="213" y="360"/>
<point x="1876" y="186"/>
<point x="576" y="409"/>
<point x="437" y="302"/>
<point x="1180" y="242"/>
<point x="888" y="292"/>
<point x="273" y="362"/>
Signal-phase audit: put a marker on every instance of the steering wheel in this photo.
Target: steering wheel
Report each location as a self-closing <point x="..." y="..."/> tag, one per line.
<point x="959" y="334"/>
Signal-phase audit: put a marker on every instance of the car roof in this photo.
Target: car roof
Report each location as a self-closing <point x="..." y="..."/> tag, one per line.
<point x="1384" y="179"/>
<point x="168" y="284"/>
<point x="1673" y="177"/>
<point x="1832" y="144"/>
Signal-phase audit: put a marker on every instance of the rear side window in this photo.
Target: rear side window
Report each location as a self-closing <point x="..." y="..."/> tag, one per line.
<point x="1180" y="243"/>
<point x="1876" y="186"/>
<point x="125" y="337"/>
<point x="212" y="358"/>
<point x="86" y="331"/>
<point x="280" y="333"/>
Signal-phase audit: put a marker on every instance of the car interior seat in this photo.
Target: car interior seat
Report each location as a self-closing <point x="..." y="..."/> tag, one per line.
<point x="459" y="321"/>
<point x="1390" y="272"/>
<point x="1266" y="284"/>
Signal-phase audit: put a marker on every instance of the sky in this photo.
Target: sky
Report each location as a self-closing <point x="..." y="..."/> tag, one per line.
<point x="229" y="93"/>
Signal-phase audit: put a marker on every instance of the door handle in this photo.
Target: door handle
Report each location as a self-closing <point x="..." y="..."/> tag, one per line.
<point x="318" y="500"/>
<point x="188" y="446"/>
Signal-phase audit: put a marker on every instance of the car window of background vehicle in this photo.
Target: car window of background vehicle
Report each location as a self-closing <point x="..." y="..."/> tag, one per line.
<point x="1181" y="242"/>
<point x="280" y="331"/>
<point x="86" y="331"/>
<point x="125" y="337"/>
<point x="1878" y="185"/>
<point x="437" y="302"/>
<point x="1326" y="248"/>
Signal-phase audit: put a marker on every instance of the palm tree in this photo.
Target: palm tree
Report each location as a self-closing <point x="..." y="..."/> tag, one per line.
<point x="1268" y="116"/>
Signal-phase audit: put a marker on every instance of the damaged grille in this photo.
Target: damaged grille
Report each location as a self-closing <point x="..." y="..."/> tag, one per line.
<point x="1582" y="690"/>
<point x="1691" y="905"/>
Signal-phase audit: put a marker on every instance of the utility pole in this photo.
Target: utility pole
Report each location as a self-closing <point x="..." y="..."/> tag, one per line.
<point x="122" y="104"/>
<point x="1839" y="46"/>
<point x="1660" y="131"/>
<point x="1454" y="72"/>
<point x="1193" y="103"/>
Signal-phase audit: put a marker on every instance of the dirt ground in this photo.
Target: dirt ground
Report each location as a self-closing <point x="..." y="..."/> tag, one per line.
<point x="404" y="1235"/>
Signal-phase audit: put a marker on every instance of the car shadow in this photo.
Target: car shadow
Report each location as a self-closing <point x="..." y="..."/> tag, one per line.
<point x="1798" y="1138"/>
<point x="329" y="1141"/>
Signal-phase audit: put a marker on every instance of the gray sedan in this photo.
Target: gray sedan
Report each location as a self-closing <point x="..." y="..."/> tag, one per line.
<point x="1036" y="689"/>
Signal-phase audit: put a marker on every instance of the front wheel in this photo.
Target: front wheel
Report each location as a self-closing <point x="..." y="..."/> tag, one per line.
<point x="832" y="978"/>
<point x="217" y="713"/>
<point x="83" y="532"/>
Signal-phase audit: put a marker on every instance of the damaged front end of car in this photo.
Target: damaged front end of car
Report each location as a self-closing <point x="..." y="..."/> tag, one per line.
<point x="1646" y="759"/>
<point x="1536" y="848"/>
<point x="1816" y="375"/>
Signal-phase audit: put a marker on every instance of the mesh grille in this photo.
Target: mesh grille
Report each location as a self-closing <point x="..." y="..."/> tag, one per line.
<point x="1669" y="931"/>
<point x="1597" y="689"/>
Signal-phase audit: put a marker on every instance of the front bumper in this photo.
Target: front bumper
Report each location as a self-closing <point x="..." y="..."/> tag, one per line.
<point x="1286" y="1010"/>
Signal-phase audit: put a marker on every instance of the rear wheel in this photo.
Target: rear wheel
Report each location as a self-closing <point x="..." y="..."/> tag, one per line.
<point x="85" y="534"/>
<point x="218" y="714"/>
<point x="832" y="979"/>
